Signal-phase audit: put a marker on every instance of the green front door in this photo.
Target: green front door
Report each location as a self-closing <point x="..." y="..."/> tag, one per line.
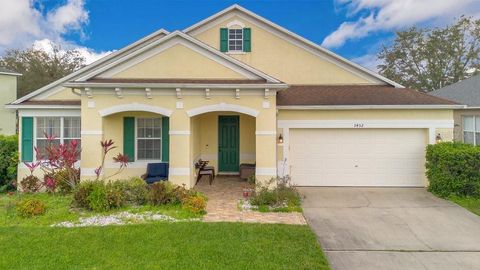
<point x="228" y="143"/>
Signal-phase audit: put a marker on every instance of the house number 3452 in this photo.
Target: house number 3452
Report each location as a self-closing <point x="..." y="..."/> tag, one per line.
<point x="358" y="125"/>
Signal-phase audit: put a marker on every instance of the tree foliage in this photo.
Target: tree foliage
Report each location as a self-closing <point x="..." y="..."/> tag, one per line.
<point x="429" y="59"/>
<point x="39" y="67"/>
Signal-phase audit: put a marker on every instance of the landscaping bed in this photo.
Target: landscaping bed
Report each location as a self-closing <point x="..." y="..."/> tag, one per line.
<point x="58" y="208"/>
<point x="276" y="195"/>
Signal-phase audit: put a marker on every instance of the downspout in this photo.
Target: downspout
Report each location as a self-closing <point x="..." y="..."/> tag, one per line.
<point x="75" y="93"/>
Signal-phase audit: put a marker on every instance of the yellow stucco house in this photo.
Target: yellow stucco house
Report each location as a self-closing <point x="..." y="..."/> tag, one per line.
<point x="236" y="88"/>
<point x="8" y="90"/>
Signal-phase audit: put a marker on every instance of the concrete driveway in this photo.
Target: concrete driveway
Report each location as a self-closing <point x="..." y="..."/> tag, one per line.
<point x="392" y="228"/>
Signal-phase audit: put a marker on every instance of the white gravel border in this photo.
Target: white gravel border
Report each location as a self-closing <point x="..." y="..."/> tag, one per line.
<point x="121" y="218"/>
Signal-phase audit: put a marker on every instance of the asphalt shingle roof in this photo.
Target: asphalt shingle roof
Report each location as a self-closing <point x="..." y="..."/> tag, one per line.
<point x="333" y="95"/>
<point x="466" y="92"/>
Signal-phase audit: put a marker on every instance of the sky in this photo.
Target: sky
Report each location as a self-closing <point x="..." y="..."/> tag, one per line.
<point x="354" y="29"/>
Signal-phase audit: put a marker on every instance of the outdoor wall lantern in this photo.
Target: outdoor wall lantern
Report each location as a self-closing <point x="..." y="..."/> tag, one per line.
<point x="280" y="139"/>
<point x="438" y="138"/>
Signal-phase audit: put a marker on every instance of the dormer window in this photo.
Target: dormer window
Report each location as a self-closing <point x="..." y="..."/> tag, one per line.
<point x="235" y="39"/>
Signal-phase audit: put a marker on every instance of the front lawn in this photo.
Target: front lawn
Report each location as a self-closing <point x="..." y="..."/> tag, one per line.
<point x="31" y="243"/>
<point x="470" y="203"/>
<point x="184" y="245"/>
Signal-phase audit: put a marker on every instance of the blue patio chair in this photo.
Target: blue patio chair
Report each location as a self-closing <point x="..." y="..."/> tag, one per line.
<point x="156" y="172"/>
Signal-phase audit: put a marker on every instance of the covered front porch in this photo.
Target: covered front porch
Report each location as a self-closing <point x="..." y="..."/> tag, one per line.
<point x="225" y="139"/>
<point x="226" y="131"/>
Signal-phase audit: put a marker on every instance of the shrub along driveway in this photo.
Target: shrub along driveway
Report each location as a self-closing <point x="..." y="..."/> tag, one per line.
<point x="392" y="228"/>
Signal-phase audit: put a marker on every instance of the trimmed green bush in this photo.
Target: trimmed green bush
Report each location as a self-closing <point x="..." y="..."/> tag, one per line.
<point x="30" y="207"/>
<point x="195" y="203"/>
<point x="161" y="193"/>
<point x="277" y="195"/>
<point x="99" y="196"/>
<point x="80" y="195"/>
<point x="453" y="169"/>
<point x="62" y="180"/>
<point x="8" y="161"/>
<point x="135" y="190"/>
<point x="30" y="184"/>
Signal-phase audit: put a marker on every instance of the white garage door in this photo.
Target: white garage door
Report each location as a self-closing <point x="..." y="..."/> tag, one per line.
<point x="358" y="157"/>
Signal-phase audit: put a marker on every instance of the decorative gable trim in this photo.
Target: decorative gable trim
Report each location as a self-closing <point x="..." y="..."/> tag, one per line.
<point x="135" y="107"/>
<point x="194" y="44"/>
<point x="244" y="14"/>
<point x="56" y="86"/>
<point x="235" y="23"/>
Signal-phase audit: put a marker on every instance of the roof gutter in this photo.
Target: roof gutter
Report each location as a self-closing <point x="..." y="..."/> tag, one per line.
<point x="177" y="85"/>
<point x="37" y="106"/>
<point x="10" y="73"/>
<point x="369" y="107"/>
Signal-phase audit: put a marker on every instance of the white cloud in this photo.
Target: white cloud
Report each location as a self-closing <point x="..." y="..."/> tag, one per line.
<point x="89" y="54"/>
<point x="22" y="25"/>
<point x="387" y="15"/>
<point x="71" y="16"/>
<point x="369" y="61"/>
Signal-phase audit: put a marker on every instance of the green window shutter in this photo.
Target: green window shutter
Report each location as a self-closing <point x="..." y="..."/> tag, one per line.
<point x="223" y="39"/>
<point x="247" y="39"/>
<point x="165" y="139"/>
<point x="129" y="138"/>
<point x="27" y="139"/>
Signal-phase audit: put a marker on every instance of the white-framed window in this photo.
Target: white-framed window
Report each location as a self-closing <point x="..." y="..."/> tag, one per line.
<point x="63" y="129"/>
<point x="471" y="130"/>
<point x="148" y="138"/>
<point x="235" y="39"/>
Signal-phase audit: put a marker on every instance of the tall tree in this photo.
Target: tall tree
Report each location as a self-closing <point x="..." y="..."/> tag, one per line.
<point x="39" y="67"/>
<point x="429" y="59"/>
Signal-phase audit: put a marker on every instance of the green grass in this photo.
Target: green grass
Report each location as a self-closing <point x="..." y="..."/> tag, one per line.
<point x="30" y="243"/>
<point x="470" y="203"/>
<point x="185" y="245"/>
<point x="58" y="209"/>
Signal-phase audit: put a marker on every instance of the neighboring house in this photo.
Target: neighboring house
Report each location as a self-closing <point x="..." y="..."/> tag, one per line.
<point x="8" y="93"/>
<point x="237" y="88"/>
<point x="467" y="119"/>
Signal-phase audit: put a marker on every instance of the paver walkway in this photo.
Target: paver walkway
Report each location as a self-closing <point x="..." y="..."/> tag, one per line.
<point x="223" y="197"/>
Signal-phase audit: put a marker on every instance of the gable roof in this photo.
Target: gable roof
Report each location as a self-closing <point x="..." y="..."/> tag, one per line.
<point x="228" y="60"/>
<point x="7" y="71"/>
<point x="102" y="61"/>
<point x="356" y="95"/>
<point x="294" y="38"/>
<point x="464" y="92"/>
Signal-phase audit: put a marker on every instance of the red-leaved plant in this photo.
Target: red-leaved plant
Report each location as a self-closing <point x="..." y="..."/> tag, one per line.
<point x="64" y="157"/>
<point x="107" y="146"/>
<point x="56" y="158"/>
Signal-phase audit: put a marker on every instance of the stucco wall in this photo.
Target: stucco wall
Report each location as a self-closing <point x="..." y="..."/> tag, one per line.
<point x="60" y="94"/>
<point x="283" y="60"/>
<point x="178" y="62"/>
<point x="8" y="90"/>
